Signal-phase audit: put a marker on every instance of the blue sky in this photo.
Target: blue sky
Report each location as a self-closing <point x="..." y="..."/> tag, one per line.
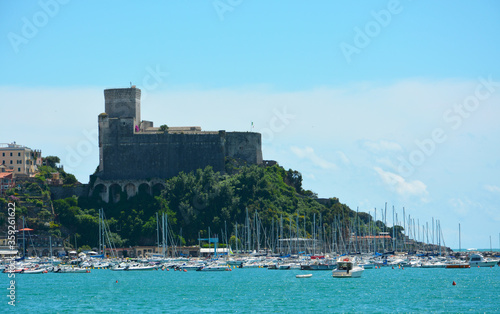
<point x="373" y="102"/>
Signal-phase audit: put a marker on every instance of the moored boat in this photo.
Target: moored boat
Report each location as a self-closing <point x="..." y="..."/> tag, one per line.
<point x="141" y="267"/>
<point x="477" y="260"/>
<point x="214" y="268"/>
<point x="459" y="265"/>
<point x="69" y="269"/>
<point x="347" y="267"/>
<point x="34" y="271"/>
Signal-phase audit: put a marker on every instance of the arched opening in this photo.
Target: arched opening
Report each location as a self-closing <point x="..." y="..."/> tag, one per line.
<point x="131" y="190"/>
<point x="114" y="193"/>
<point x="157" y="188"/>
<point x="144" y="188"/>
<point x="101" y="191"/>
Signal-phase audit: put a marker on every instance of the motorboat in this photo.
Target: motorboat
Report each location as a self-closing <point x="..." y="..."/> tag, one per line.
<point x="279" y="266"/>
<point x="304" y="276"/>
<point x="34" y="271"/>
<point x="69" y="269"/>
<point x="477" y="260"/>
<point x="141" y="267"/>
<point x="214" y="268"/>
<point x="188" y="267"/>
<point x="317" y="265"/>
<point x="347" y="267"/>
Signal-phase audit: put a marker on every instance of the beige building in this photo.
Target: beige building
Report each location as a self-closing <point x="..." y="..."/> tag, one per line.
<point x="21" y="159"/>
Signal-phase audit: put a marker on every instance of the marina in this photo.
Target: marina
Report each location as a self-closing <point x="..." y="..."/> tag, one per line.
<point x="405" y="289"/>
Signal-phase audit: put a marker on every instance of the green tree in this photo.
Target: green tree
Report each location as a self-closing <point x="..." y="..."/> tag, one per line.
<point x="164" y="128"/>
<point x="51" y="161"/>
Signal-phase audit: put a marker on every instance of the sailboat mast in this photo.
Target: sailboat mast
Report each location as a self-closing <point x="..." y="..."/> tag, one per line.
<point x="163" y="233"/>
<point x="100" y="240"/>
<point x="459" y="239"/>
<point x="157" y="232"/>
<point x="375" y="233"/>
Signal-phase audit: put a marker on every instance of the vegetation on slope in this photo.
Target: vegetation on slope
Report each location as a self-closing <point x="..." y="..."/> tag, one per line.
<point x="197" y="201"/>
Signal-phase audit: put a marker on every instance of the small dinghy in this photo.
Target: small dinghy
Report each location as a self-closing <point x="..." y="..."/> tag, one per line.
<point x="304" y="276"/>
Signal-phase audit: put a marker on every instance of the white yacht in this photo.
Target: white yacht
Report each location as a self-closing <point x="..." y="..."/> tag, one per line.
<point x="477" y="260"/>
<point x="347" y="267"/>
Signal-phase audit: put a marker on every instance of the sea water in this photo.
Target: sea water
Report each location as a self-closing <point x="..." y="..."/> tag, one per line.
<point x="257" y="290"/>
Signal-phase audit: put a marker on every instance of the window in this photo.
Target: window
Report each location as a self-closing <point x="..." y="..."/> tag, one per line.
<point x="11" y="154"/>
<point x="19" y="169"/>
<point x="3" y="154"/>
<point x="11" y="162"/>
<point x="18" y="154"/>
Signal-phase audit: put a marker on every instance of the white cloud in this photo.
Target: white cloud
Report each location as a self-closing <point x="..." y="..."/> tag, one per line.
<point x="382" y="145"/>
<point x="310" y="176"/>
<point x="398" y="184"/>
<point x="492" y="188"/>
<point x="308" y="153"/>
<point x="459" y="206"/>
<point x="343" y="158"/>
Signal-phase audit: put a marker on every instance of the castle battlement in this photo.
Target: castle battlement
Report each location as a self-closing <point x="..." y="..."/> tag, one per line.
<point x="132" y="149"/>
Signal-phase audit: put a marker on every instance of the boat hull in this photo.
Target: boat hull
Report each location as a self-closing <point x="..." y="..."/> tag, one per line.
<point x="318" y="267"/>
<point x="458" y="266"/>
<point x="345" y="274"/>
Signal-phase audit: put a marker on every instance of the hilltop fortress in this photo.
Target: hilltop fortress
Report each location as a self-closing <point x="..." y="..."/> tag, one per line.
<point x="134" y="155"/>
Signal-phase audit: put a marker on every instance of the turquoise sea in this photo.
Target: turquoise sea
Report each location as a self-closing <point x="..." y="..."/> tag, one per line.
<point x="258" y="290"/>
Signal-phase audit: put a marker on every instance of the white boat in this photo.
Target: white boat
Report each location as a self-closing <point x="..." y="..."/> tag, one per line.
<point x="34" y="271"/>
<point x="279" y="266"/>
<point x="477" y="260"/>
<point x="213" y="268"/>
<point x="141" y="267"/>
<point x="188" y="267"/>
<point x="347" y="267"/>
<point x="304" y="276"/>
<point x="433" y="264"/>
<point x="69" y="269"/>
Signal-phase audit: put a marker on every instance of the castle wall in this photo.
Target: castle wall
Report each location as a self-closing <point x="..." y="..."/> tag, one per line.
<point x="123" y="102"/>
<point x="245" y="146"/>
<point x="139" y="156"/>
<point x="126" y="154"/>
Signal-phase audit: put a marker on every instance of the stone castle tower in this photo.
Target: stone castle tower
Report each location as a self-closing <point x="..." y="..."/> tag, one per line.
<point x="135" y="155"/>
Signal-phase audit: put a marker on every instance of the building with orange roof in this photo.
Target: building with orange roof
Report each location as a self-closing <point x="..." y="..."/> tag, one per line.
<point x="6" y="179"/>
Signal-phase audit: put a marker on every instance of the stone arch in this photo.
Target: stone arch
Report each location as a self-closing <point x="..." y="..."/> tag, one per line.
<point x="144" y="188"/>
<point x="115" y="191"/>
<point x="130" y="189"/>
<point x="101" y="190"/>
<point x="157" y="188"/>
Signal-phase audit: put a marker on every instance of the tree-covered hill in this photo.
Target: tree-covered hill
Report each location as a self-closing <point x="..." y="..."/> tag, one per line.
<point x="263" y="203"/>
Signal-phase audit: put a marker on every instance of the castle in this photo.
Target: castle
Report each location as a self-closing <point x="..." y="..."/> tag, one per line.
<point x="136" y="156"/>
